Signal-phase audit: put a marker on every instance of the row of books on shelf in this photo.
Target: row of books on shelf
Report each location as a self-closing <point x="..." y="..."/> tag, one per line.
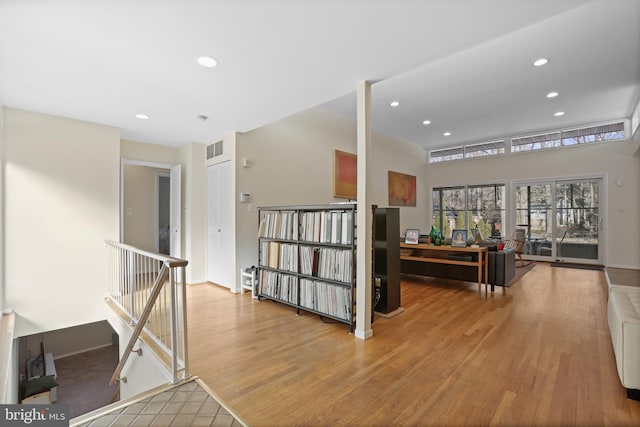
<point x="283" y="256"/>
<point x="326" y="298"/>
<point x="324" y="262"/>
<point x="280" y="286"/>
<point x="279" y="225"/>
<point x="327" y="263"/>
<point x="334" y="227"/>
<point x="332" y="300"/>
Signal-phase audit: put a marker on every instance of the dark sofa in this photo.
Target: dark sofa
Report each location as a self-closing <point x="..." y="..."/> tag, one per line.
<point x="501" y="264"/>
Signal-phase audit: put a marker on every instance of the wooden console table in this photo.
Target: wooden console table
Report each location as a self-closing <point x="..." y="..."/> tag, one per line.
<point x="440" y="255"/>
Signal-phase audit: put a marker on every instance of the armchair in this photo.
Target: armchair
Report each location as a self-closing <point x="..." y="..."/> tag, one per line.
<point x="516" y="241"/>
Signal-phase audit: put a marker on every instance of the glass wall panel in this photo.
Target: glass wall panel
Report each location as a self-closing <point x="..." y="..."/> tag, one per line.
<point x="533" y="213"/>
<point x="480" y="206"/>
<point x="561" y="219"/>
<point x="577" y="219"/>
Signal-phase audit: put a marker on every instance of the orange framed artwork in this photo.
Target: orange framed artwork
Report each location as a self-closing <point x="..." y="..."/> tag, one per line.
<point x="345" y="175"/>
<point x="402" y="189"/>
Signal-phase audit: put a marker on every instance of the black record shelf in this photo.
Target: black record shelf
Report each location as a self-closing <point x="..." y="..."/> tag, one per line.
<point x="306" y="258"/>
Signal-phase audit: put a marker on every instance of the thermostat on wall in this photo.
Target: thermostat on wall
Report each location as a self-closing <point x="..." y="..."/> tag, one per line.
<point x="245" y="198"/>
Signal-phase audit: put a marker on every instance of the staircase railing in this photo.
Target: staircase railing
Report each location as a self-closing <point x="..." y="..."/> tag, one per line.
<point x="150" y="289"/>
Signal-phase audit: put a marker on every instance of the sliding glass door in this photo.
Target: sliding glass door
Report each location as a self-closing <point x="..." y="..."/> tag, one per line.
<point x="534" y="213"/>
<point x="578" y="221"/>
<point x="561" y="219"/>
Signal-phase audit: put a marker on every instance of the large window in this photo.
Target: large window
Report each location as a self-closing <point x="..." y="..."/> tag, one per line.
<point x="468" y="207"/>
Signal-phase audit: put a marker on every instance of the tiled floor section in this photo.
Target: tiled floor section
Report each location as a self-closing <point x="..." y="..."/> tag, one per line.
<point x="188" y="404"/>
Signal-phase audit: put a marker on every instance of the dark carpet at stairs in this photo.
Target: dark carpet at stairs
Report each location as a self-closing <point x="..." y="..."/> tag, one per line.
<point x="83" y="380"/>
<point x="521" y="271"/>
<point x="576" y="265"/>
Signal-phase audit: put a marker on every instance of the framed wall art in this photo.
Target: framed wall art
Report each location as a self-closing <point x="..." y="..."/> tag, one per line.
<point x="345" y="175"/>
<point x="402" y="189"/>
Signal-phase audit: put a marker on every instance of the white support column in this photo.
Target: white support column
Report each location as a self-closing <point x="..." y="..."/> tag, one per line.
<point x="2" y="290"/>
<point x="364" y="216"/>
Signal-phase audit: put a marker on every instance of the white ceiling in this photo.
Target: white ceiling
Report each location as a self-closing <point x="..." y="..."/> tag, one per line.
<point x="463" y="64"/>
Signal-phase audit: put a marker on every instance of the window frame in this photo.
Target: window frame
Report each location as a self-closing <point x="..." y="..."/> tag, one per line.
<point x="596" y="133"/>
<point x="471" y="216"/>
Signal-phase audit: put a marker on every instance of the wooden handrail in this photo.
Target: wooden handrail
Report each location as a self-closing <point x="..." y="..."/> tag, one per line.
<point x="157" y="286"/>
<point x="167" y="260"/>
<point x="140" y="277"/>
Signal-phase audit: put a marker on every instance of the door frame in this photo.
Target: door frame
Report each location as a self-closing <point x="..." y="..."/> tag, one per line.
<point x="157" y="207"/>
<point x="175" y="199"/>
<point x="553" y="181"/>
<point x="233" y="285"/>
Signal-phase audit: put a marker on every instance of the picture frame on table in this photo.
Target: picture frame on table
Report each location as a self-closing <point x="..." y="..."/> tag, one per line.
<point x="459" y="238"/>
<point x="412" y="236"/>
<point x="477" y="236"/>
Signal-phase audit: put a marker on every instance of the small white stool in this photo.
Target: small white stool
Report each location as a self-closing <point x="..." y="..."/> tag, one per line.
<point x="249" y="279"/>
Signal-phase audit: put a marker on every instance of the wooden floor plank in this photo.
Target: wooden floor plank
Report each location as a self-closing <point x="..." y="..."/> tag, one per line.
<point x="538" y="355"/>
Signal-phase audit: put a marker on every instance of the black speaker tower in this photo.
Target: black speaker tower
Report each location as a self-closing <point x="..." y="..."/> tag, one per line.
<point x="386" y="259"/>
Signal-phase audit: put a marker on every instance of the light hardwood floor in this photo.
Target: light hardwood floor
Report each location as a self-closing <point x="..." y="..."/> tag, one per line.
<point x="538" y="355"/>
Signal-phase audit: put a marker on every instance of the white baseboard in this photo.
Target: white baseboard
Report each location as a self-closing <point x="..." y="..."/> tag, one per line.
<point x="626" y="267"/>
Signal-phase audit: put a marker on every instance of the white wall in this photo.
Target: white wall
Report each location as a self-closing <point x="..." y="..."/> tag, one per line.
<point x="61" y="203"/>
<point x="613" y="161"/>
<point x="68" y="341"/>
<point x="292" y="164"/>
<point x="2" y="305"/>
<point x="134" y="150"/>
<point x="390" y="154"/>
<point x="194" y="219"/>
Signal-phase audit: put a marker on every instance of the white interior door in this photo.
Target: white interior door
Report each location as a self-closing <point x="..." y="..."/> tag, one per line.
<point x="175" y="217"/>
<point x="219" y="221"/>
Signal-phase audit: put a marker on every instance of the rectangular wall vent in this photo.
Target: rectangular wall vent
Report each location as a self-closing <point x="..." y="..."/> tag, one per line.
<point x="214" y="150"/>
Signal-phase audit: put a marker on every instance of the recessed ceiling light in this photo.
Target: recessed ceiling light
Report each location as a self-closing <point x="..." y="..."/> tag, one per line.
<point x="447" y="133"/>
<point x="142" y="116"/>
<point x="559" y="113"/>
<point x="394" y="103"/>
<point x="540" y="62"/>
<point x="552" y="94"/>
<point x="426" y="122"/>
<point x="207" y="61"/>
